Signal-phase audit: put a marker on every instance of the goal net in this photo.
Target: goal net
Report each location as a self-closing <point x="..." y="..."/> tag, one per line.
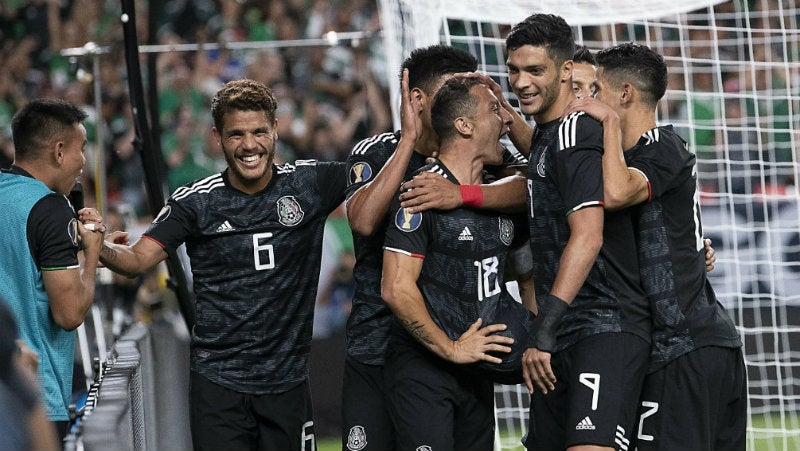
<point x="734" y="95"/>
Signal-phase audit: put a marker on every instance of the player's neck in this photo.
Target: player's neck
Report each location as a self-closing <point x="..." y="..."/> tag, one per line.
<point x="636" y="122"/>
<point x="465" y="166"/>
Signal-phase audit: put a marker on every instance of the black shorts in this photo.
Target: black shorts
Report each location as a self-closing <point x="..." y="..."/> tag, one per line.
<point x="223" y="419"/>
<point x="697" y="402"/>
<point x="437" y="404"/>
<point x="366" y="424"/>
<point x="598" y="382"/>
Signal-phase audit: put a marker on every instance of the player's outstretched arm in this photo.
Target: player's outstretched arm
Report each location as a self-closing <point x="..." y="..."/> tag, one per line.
<point x="431" y="191"/>
<point x="132" y="260"/>
<point x="399" y="290"/>
<point x="367" y="207"/>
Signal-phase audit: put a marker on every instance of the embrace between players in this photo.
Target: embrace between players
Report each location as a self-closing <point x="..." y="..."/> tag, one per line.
<point x="619" y="336"/>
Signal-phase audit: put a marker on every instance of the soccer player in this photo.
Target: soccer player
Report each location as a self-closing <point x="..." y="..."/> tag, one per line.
<point x="376" y="168"/>
<point x="586" y="271"/>
<point x="695" y="393"/>
<point x="47" y="286"/>
<point x="443" y="280"/>
<point x="253" y="234"/>
<point x="583" y="72"/>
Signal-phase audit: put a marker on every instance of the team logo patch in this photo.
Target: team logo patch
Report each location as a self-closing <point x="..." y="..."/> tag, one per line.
<point x="540" y="164"/>
<point x="360" y="172"/>
<point x="72" y="231"/>
<point x="163" y="214"/>
<point x="406" y="221"/>
<point x="357" y="438"/>
<point x="424" y="448"/>
<point x="289" y="211"/>
<point x="506" y="231"/>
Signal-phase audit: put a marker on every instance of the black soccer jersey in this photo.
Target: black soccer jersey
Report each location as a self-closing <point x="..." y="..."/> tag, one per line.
<point x="255" y="261"/>
<point x="461" y="280"/>
<point x="685" y="310"/>
<point x="565" y="175"/>
<point x="370" y="318"/>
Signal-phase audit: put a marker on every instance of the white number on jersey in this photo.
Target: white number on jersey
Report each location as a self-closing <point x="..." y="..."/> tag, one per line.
<point x="488" y="285"/>
<point x="263" y="254"/>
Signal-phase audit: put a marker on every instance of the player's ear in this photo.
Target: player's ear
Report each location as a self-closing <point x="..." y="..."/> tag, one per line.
<point x="463" y="125"/>
<point x="566" y="72"/>
<point x="626" y="93"/>
<point x="419" y="98"/>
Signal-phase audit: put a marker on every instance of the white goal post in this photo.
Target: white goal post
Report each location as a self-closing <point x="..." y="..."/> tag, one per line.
<point x="734" y="95"/>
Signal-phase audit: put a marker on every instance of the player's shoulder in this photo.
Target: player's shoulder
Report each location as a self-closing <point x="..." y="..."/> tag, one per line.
<point x="579" y="128"/>
<point x="384" y="142"/>
<point x="201" y="186"/>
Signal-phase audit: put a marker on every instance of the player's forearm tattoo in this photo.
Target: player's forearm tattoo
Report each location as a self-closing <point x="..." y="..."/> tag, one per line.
<point x="108" y="254"/>
<point x="417" y="330"/>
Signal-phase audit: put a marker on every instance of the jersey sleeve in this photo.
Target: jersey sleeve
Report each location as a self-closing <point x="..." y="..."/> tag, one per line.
<point x="407" y="233"/>
<point x="367" y="158"/>
<point x="53" y="233"/>
<point x="331" y="182"/>
<point x="172" y="225"/>
<point x="579" y="162"/>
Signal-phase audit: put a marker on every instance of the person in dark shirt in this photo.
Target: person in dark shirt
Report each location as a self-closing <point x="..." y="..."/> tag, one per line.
<point x="376" y="167"/>
<point x="42" y="280"/>
<point x="443" y="280"/>
<point x="253" y="235"/>
<point x="695" y="393"/>
<point x="585" y="262"/>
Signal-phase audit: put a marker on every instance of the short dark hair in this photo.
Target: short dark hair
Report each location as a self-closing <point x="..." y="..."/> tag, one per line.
<point x="242" y="95"/>
<point x="453" y="100"/>
<point x="583" y="55"/>
<point x="40" y="122"/>
<point x="427" y="65"/>
<point x="544" y="30"/>
<point x="637" y="64"/>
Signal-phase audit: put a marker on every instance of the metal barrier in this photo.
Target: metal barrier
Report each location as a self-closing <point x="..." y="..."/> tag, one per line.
<point x="140" y="401"/>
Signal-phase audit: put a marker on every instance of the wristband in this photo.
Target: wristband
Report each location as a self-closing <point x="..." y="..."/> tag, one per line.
<point x="471" y="195"/>
<point x="551" y="309"/>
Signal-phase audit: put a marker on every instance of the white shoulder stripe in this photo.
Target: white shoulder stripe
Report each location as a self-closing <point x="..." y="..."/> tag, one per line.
<point x="437" y="170"/>
<point x="201" y="184"/>
<point x="361" y="147"/>
<point x="651" y="136"/>
<point x="567" y="131"/>
<point x="198" y="190"/>
<point x="285" y="168"/>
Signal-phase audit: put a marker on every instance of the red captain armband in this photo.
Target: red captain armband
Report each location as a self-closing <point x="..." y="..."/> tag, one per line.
<point x="471" y="195"/>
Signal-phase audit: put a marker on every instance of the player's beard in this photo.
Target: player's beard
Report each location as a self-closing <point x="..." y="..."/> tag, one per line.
<point x="244" y="173"/>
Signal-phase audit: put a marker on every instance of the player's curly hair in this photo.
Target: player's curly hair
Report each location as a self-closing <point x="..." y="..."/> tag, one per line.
<point x="242" y="95"/>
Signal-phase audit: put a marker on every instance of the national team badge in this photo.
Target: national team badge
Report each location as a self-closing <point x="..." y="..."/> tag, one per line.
<point x="506" y="231"/>
<point x="357" y="438"/>
<point x="360" y="172"/>
<point x="289" y="211"/>
<point x="72" y="231"/>
<point x="406" y="221"/>
<point x="424" y="448"/>
<point x="540" y="165"/>
<point x="163" y="214"/>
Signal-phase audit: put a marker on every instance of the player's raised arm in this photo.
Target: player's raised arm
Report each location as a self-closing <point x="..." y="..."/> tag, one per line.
<point x="367" y="207"/>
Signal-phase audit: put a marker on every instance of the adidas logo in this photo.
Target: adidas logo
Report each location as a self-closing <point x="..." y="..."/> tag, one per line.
<point x="465" y="235"/>
<point x="225" y="227"/>
<point x="585" y="425"/>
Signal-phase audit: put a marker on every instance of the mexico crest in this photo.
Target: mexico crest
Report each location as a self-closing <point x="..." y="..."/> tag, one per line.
<point x="289" y="211"/>
<point x="357" y="438"/>
<point x="506" y="231"/>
